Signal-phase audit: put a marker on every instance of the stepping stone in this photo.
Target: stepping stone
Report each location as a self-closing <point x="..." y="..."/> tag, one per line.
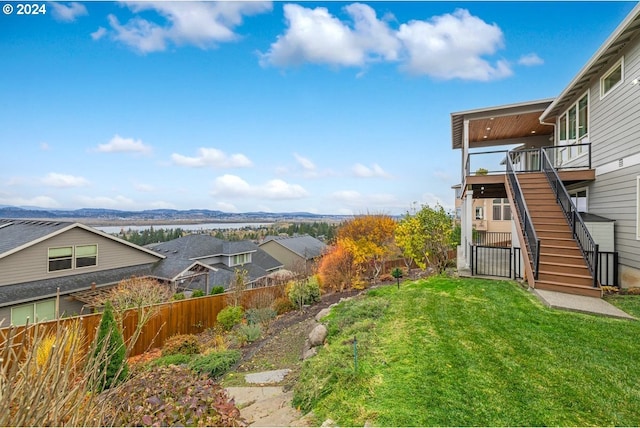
<point x="273" y="376"/>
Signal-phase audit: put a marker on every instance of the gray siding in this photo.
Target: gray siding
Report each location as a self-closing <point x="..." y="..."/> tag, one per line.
<point x="68" y="307"/>
<point x="290" y="260"/>
<point x="613" y="195"/>
<point x="31" y="264"/>
<point x="615" y="120"/>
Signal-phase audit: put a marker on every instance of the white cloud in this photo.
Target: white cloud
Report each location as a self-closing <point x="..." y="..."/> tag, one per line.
<point x="226" y="207"/>
<point x="99" y="33"/>
<point x="45" y="147"/>
<point x="36" y="201"/>
<point x="360" y="170"/>
<point x="54" y="179"/>
<point x="213" y="158"/>
<point x="316" y="36"/>
<point x="446" y="47"/>
<point x="530" y="60"/>
<point x="118" y="144"/>
<point x="201" y="24"/>
<point x="452" y="46"/>
<point x="146" y="188"/>
<point x="432" y="200"/>
<point x="305" y="163"/>
<point x="234" y="186"/>
<point x="118" y="202"/>
<point x="68" y="13"/>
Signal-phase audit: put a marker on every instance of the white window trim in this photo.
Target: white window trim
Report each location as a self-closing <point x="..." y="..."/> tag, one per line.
<point x="75" y="257"/>
<point x="580" y="189"/>
<point x="481" y="211"/>
<point x="565" y="144"/>
<point x="620" y="63"/>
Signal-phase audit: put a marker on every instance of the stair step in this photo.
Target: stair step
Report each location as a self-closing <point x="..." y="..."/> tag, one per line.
<point x="560" y="250"/>
<point x="569" y="288"/>
<point x="567" y="278"/>
<point x="562" y="267"/>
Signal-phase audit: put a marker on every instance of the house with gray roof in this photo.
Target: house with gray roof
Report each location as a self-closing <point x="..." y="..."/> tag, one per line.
<point x="296" y="253"/>
<point x="202" y="262"/>
<point x="44" y="263"/>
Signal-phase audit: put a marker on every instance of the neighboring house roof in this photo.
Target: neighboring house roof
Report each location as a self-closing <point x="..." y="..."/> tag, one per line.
<point x="305" y="246"/>
<point x="190" y="251"/>
<point x="198" y="246"/>
<point x="618" y="40"/>
<point x="16" y="235"/>
<point x="46" y="288"/>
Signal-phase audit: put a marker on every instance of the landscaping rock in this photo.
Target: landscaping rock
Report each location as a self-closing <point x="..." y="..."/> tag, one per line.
<point x="328" y="423"/>
<point x="323" y="313"/>
<point x="273" y="376"/>
<point x="318" y="335"/>
<point x="309" y="353"/>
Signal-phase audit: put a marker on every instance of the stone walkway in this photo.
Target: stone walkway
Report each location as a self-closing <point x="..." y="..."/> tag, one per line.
<point x="266" y="406"/>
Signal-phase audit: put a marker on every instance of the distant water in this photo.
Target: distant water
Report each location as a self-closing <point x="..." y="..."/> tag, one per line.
<point x="190" y="227"/>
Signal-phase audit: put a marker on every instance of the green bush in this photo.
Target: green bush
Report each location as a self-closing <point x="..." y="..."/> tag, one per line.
<point x="248" y="333"/>
<point x="218" y="289"/>
<point x="186" y="344"/>
<point x="260" y="315"/>
<point x="172" y="396"/>
<point x="215" y="364"/>
<point x="110" y="351"/>
<point x="178" y="296"/>
<point x="305" y="292"/>
<point x="171" y="359"/>
<point x="230" y="316"/>
<point x="197" y="293"/>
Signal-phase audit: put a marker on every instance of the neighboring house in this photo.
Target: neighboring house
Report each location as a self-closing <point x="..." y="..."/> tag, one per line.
<point x="44" y="263"/>
<point x="581" y="148"/>
<point x="202" y="261"/>
<point x="297" y="253"/>
<point x="489" y="216"/>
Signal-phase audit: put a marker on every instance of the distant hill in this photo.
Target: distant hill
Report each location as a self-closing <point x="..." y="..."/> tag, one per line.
<point x="157" y="214"/>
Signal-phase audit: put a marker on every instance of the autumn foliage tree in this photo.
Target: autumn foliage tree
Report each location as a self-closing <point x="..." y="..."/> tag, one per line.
<point x="425" y="237"/>
<point x="363" y="244"/>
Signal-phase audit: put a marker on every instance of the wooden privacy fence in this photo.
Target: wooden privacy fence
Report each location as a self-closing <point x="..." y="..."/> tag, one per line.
<point x="189" y="316"/>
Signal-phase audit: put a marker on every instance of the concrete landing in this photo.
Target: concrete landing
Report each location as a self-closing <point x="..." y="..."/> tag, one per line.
<point x="584" y="304"/>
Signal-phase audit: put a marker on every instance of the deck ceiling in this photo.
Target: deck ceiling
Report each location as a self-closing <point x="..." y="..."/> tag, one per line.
<point x="507" y="128"/>
<point x="502" y="125"/>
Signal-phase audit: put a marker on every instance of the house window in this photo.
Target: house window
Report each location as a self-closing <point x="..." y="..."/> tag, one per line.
<point x="86" y="255"/>
<point x="479" y="213"/>
<point x="33" y="312"/>
<point x="501" y="209"/>
<point x="612" y="78"/>
<point x="240" y="259"/>
<point x="60" y="258"/>
<point x="573" y="130"/>
<point x="579" y="198"/>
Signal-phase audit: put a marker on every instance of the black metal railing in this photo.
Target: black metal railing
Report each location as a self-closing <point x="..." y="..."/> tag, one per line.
<point x="587" y="245"/>
<point x="492" y="239"/>
<point x="503" y="262"/>
<point x="526" y="224"/>
<point x="608" y="268"/>
<point x="562" y="157"/>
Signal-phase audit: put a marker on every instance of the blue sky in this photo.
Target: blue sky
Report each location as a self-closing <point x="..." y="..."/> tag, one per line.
<point x="325" y="107"/>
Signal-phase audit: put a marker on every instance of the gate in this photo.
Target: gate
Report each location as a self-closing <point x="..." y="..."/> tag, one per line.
<point x="501" y="262"/>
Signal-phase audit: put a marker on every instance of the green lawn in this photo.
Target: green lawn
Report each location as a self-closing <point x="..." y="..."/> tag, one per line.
<point x="471" y="352"/>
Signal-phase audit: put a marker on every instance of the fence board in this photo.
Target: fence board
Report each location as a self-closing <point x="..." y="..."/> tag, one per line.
<point x="189" y="316"/>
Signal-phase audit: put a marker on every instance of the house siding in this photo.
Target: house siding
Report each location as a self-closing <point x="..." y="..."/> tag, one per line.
<point x="111" y="254"/>
<point x="290" y="260"/>
<point x="68" y="307"/>
<point x="614" y="124"/>
<point x="613" y="195"/>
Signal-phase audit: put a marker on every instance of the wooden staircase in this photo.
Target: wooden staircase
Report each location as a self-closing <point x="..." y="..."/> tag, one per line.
<point x="562" y="267"/>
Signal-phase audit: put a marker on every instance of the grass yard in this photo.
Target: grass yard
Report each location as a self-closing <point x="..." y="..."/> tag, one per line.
<point x="470" y="352"/>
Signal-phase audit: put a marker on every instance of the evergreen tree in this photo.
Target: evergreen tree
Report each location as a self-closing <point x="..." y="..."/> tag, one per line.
<point x="110" y="350"/>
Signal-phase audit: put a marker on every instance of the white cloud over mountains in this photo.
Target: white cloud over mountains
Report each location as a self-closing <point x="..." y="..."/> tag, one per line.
<point x="54" y="179"/>
<point x="202" y="24"/>
<point x="444" y="47"/>
<point x="363" y="171"/>
<point x="235" y="187"/>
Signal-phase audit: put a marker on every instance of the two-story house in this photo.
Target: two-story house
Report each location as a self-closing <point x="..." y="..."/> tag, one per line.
<point x="571" y="171"/>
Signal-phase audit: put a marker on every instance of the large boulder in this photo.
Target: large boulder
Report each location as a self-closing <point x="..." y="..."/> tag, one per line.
<point x="323" y="313"/>
<point x="318" y="335"/>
